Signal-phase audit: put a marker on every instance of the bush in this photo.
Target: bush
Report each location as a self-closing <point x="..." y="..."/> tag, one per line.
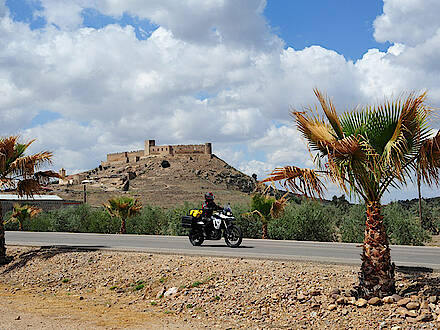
<point x="250" y="225"/>
<point x="308" y="221"/>
<point x="353" y="224"/>
<point x="402" y="226"/>
<point x="151" y="221"/>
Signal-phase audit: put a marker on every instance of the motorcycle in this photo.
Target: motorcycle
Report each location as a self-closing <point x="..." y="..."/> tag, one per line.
<point x="220" y="224"/>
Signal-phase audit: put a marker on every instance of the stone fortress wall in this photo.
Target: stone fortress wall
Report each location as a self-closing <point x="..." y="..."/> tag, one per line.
<point x="151" y="149"/>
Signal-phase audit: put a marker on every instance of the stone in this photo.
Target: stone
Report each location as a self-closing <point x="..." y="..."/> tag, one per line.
<point x="351" y="300"/>
<point x="411" y="313"/>
<point x="165" y="164"/>
<point x="396" y="327"/>
<point x="432" y="299"/>
<point x="300" y="297"/>
<point x="335" y="291"/>
<point x="424" y="305"/>
<point x="344" y="311"/>
<point x="396" y="297"/>
<point x="18" y="318"/>
<point x="341" y="301"/>
<point x="412" y="305"/>
<point x="160" y="293"/>
<point x="126" y="186"/>
<point x="361" y="302"/>
<point x="424" y="317"/>
<point x="438" y="318"/>
<point x="403" y="301"/>
<point x="374" y="301"/>
<point x="388" y="299"/>
<point x="314" y="292"/>
<point x="170" y="292"/>
<point x="331" y="307"/>
<point x="401" y="311"/>
<point x="382" y="325"/>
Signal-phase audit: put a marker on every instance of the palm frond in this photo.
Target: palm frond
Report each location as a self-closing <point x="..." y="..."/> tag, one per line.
<point x="429" y="161"/>
<point x="330" y="111"/>
<point x="304" y="181"/>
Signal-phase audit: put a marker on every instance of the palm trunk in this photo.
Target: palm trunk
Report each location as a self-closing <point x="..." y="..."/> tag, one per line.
<point x="3" y="258"/>
<point x="123" y="230"/>
<point x="20" y="225"/>
<point x="376" y="278"/>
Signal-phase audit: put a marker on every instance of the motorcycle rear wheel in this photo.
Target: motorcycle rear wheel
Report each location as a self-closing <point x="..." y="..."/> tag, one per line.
<point x="196" y="237"/>
<point x="233" y="236"/>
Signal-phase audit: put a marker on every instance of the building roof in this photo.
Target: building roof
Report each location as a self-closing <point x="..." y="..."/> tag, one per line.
<point x="33" y="198"/>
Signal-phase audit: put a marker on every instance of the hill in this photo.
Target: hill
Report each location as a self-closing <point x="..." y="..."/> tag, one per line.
<point x="163" y="181"/>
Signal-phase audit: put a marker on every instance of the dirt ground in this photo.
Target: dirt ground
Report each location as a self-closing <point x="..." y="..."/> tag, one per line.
<point x="48" y="288"/>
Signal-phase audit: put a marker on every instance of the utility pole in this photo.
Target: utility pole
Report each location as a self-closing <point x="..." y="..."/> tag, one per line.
<point x="420" y="197"/>
<point x="85" y="194"/>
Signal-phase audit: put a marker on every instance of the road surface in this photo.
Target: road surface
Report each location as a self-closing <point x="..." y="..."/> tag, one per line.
<point x="343" y="253"/>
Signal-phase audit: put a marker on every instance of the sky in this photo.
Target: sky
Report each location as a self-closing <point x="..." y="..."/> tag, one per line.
<point x="88" y="77"/>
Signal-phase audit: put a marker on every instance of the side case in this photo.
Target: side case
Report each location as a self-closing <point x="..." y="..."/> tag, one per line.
<point x="187" y="221"/>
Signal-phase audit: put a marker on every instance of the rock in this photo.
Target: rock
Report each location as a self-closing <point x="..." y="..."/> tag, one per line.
<point x="331" y="307"/>
<point x="314" y="292"/>
<point x="131" y="175"/>
<point x="374" y="301"/>
<point x="401" y="311"/>
<point x="126" y="186"/>
<point x="424" y="317"/>
<point x="165" y="164"/>
<point x="160" y="293"/>
<point x="341" y="301"/>
<point x="197" y="172"/>
<point x="424" y="305"/>
<point x="170" y="292"/>
<point x="396" y="297"/>
<point x="313" y="314"/>
<point x="432" y="299"/>
<point x="411" y="313"/>
<point x="382" y="325"/>
<point x="361" y="302"/>
<point x="81" y="298"/>
<point x="438" y="318"/>
<point x="335" y="291"/>
<point x="388" y="299"/>
<point x="412" y="305"/>
<point x="403" y="302"/>
<point x="344" y="311"/>
<point x="18" y="318"/>
<point x="351" y="300"/>
<point x="300" y="297"/>
<point x="396" y="327"/>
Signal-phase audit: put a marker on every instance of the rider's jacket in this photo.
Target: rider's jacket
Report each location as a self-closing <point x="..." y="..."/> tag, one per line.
<point x="209" y="207"/>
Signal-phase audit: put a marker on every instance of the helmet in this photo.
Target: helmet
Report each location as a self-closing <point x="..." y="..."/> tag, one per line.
<point x="209" y="196"/>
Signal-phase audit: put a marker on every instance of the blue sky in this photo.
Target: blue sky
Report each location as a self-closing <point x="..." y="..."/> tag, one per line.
<point x="87" y="78"/>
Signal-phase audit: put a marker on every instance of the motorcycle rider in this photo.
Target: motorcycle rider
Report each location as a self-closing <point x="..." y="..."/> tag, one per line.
<point x="209" y="206"/>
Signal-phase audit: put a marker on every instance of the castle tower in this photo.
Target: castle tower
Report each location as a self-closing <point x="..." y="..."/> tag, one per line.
<point x="208" y="148"/>
<point x="148" y="144"/>
<point x="63" y="172"/>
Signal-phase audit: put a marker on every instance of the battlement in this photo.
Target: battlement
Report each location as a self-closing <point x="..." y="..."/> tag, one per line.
<point x="151" y="149"/>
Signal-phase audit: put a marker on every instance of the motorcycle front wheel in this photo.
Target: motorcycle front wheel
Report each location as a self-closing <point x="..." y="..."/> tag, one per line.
<point x="233" y="236"/>
<point x="196" y="237"/>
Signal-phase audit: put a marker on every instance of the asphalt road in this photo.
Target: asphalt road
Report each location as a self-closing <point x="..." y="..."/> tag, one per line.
<point x="343" y="253"/>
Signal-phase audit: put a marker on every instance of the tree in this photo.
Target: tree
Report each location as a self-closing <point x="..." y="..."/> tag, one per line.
<point x="366" y="151"/>
<point x="267" y="208"/>
<point x="20" y="213"/>
<point x="123" y="208"/>
<point x="18" y="171"/>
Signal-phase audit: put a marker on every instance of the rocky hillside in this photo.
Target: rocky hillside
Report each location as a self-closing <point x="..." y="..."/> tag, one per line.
<point x="164" y="181"/>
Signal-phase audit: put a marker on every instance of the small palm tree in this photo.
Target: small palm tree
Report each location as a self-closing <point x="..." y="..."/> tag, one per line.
<point x="20" y="213"/>
<point x="365" y="152"/>
<point x="123" y="208"/>
<point x="19" y="171"/>
<point x="267" y="208"/>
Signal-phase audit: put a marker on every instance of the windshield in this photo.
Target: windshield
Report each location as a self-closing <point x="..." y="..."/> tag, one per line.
<point x="227" y="208"/>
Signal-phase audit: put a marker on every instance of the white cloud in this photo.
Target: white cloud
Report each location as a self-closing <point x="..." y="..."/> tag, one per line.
<point x="409" y="22"/>
<point x="113" y="90"/>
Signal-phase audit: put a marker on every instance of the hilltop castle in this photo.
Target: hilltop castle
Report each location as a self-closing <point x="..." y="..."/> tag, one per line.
<point x="151" y="149"/>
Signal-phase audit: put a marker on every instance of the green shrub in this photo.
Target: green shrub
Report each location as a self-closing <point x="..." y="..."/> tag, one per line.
<point x="353" y="224"/>
<point x="308" y="221"/>
<point x="173" y="219"/>
<point x="250" y="225"/>
<point x="402" y="226"/>
<point x="151" y="221"/>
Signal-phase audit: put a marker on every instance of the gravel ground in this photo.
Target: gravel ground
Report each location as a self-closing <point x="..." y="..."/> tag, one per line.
<point x="107" y="289"/>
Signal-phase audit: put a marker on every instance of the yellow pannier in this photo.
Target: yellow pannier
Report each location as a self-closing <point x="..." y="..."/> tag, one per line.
<point x="196" y="213"/>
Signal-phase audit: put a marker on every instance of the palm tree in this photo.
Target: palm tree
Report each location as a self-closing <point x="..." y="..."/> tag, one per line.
<point x="19" y="171"/>
<point x="22" y="212"/>
<point x="366" y="151"/>
<point x="123" y="208"/>
<point x="267" y="208"/>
